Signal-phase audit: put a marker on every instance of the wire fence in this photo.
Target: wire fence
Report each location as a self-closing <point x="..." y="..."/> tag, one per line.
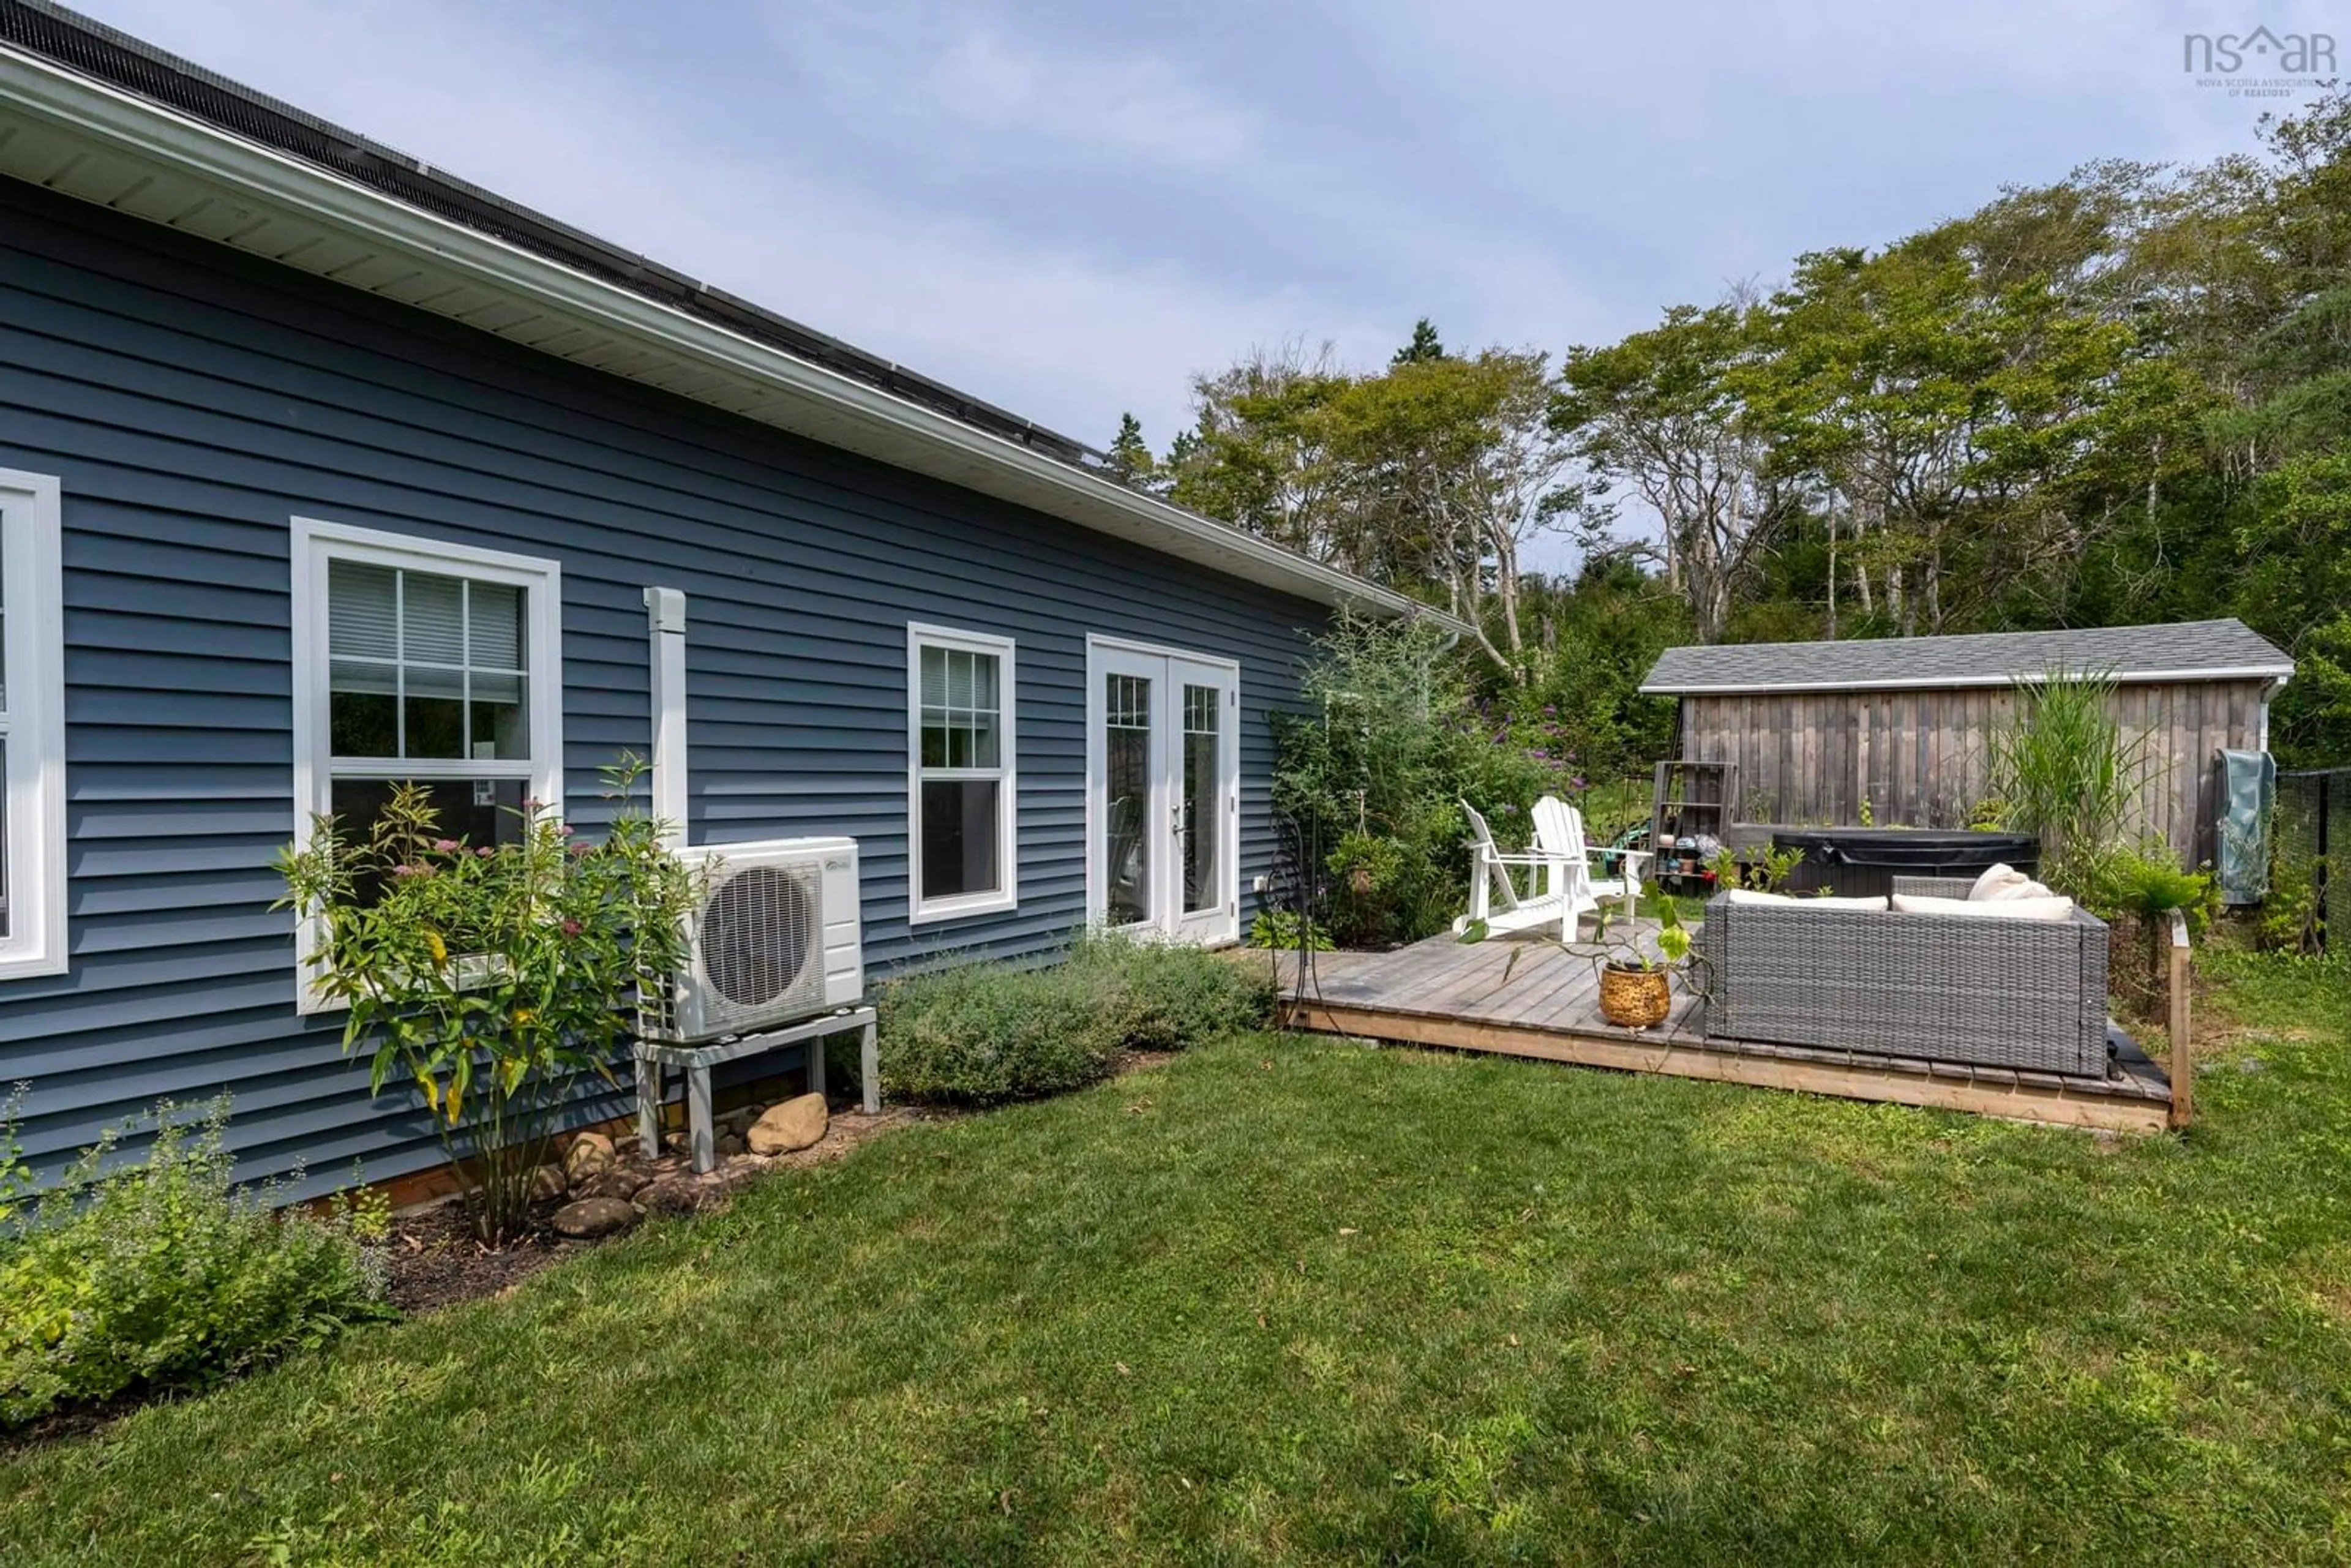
<point x="2313" y="837"/>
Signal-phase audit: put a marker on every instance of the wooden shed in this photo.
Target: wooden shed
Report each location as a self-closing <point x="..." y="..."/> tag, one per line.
<point x="1897" y="731"/>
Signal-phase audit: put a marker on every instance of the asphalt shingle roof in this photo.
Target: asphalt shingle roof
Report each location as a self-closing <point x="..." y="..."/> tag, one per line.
<point x="2190" y="650"/>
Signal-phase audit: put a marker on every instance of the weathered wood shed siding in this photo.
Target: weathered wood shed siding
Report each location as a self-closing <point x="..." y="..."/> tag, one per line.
<point x="193" y="401"/>
<point x="1921" y="758"/>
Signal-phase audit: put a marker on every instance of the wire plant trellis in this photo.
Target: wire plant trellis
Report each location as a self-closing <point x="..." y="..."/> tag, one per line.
<point x="1299" y="885"/>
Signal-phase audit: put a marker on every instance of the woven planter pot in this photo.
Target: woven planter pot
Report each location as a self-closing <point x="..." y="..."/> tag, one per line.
<point x="1634" y="998"/>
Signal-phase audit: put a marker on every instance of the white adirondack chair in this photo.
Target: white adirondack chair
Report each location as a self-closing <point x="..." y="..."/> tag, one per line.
<point x="1495" y="898"/>
<point x="1559" y="837"/>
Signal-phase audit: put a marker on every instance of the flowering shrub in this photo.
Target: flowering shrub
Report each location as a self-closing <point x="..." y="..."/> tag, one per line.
<point x="492" y="977"/>
<point x="163" y="1274"/>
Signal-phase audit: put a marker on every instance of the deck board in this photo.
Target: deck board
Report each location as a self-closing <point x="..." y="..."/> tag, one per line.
<point x="1526" y="996"/>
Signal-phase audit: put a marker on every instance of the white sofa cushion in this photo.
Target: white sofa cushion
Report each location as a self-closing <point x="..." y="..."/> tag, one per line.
<point x="2052" y="907"/>
<point x="2000" y="881"/>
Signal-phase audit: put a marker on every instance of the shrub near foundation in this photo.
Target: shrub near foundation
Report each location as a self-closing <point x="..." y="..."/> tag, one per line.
<point x="164" y="1274"/>
<point x="980" y="1033"/>
<point x="1163" y="997"/>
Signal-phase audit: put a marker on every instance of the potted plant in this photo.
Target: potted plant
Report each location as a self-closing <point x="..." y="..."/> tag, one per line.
<point x="1636" y="978"/>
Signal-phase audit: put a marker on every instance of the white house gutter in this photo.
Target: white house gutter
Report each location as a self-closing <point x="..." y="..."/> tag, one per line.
<point x="132" y="125"/>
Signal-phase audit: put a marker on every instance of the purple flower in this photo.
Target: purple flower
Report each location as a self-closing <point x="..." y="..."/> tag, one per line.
<point x="410" y="870"/>
<point x="444" y="845"/>
<point x="571" y="928"/>
<point x="484" y="852"/>
<point x="563" y="830"/>
<point x="1550" y="711"/>
<point x="1540" y="753"/>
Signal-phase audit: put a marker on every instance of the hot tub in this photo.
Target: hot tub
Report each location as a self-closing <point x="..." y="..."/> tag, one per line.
<point x="1862" y="862"/>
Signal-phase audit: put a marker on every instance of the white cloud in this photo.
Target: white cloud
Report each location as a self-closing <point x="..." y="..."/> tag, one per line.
<point x="1140" y="106"/>
<point x="1054" y="333"/>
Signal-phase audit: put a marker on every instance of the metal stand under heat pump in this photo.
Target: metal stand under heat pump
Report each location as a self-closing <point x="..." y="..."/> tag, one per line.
<point x="696" y="1060"/>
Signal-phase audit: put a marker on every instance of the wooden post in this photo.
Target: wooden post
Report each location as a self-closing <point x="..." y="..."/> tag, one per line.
<point x="2183" y="1064"/>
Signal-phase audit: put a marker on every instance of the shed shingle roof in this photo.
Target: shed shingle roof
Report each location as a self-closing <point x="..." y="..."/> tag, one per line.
<point x="2187" y="651"/>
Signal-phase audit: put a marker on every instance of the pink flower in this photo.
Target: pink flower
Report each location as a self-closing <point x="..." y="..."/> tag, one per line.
<point x="533" y="804"/>
<point x="484" y="852"/>
<point x="563" y="830"/>
<point x="444" y="845"/>
<point x="410" y="870"/>
<point x="581" y="848"/>
<point x="571" y="928"/>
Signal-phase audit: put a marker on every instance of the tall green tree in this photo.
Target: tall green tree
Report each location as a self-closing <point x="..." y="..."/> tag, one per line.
<point x="1663" y="413"/>
<point x="1129" y="460"/>
<point x="1425" y="345"/>
<point x="1434" y="473"/>
<point x="1259" y="454"/>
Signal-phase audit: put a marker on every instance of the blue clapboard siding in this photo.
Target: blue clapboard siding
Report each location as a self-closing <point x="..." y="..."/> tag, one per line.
<point x="193" y="401"/>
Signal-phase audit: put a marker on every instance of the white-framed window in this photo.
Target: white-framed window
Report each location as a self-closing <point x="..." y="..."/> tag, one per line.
<point x="32" y="729"/>
<point x="962" y="786"/>
<point x="420" y="662"/>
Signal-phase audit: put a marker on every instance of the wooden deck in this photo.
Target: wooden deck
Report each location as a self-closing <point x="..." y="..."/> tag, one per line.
<point x="1528" y="998"/>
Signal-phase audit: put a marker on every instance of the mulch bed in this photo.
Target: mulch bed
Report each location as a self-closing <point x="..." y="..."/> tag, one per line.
<point x="437" y="1261"/>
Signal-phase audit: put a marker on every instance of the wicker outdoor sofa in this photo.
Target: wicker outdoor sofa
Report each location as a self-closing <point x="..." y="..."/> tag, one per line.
<point x="1952" y="988"/>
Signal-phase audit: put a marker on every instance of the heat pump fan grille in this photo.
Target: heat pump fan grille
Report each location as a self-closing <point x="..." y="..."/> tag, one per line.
<point x="761" y="942"/>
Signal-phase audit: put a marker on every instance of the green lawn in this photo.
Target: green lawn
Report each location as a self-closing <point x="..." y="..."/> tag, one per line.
<point x="1290" y="1299"/>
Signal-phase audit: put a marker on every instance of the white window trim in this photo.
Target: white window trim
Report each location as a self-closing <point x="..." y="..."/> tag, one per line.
<point x="34" y="575"/>
<point x="315" y="543"/>
<point x="920" y="911"/>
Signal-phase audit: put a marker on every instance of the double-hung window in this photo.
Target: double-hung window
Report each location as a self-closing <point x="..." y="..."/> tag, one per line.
<point x="962" y="786"/>
<point x="32" y="729"/>
<point x="417" y="662"/>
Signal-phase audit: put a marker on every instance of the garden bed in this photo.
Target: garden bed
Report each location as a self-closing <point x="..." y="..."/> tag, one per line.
<point x="435" y="1258"/>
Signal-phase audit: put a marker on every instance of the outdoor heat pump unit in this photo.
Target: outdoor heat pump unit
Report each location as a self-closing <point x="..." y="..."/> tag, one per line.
<point x="773" y="940"/>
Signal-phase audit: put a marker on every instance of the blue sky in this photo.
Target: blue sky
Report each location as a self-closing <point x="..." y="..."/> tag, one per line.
<point x="1070" y="209"/>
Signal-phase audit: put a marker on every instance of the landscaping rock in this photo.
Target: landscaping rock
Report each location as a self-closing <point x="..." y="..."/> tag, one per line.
<point x="729" y="1146"/>
<point x="792" y="1125"/>
<point x="591" y="1153"/>
<point x="621" y="1182"/>
<point x="590" y="1217"/>
<point x="682" y="1192"/>
<point x="677" y="1142"/>
<point x="547" y="1183"/>
<point x="674" y="1195"/>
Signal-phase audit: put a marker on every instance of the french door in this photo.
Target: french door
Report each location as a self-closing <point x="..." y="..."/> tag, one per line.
<point x="1163" y="791"/>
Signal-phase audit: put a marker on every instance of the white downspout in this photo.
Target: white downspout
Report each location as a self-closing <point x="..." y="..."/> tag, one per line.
<point x="665" y="623"/>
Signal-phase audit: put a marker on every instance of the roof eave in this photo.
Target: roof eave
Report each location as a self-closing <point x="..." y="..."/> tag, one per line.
<point x="1954" y="683"/>
<point x="811" y="400"/>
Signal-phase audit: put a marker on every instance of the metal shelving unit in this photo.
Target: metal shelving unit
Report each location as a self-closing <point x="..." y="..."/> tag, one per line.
<point x="1690" y="798"/>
